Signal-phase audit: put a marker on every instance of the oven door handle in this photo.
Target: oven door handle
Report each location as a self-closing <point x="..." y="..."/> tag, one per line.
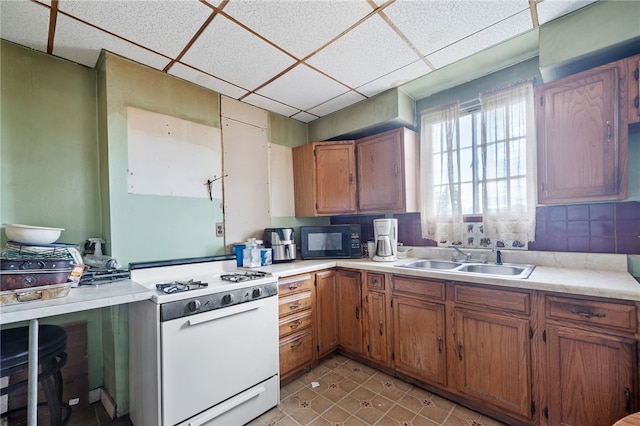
<point x="227" y="406"/>
<point x="226" y="312"/>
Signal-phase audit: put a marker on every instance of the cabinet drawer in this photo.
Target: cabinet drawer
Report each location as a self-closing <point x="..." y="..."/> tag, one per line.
<point x="421" y="287"/>
<point x="294" y="303"/>
<point x="609" y="314"/>
<point x="375" y="281"/>
<point x="292" y="323"/>
<point x="296" y="351"/>
<point x="294" y="284"/>
<point x="507" y="300"/>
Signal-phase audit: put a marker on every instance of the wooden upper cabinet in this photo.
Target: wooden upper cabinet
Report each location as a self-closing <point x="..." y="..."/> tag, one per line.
<point x="387" y="166"/>
<point x="632" y="101"/>
<point x="324" y="176"/>
<point x="582" y="150"/>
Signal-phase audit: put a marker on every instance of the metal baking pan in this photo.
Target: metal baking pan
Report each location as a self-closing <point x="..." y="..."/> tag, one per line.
<point x="16" y="280"/>
<point x="10" y="297"/>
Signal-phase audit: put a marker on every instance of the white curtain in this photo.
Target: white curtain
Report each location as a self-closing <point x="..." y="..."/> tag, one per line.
<point x="499" y="183"/>
<point x="441" y="207"/>
<point x="508" y="163"/>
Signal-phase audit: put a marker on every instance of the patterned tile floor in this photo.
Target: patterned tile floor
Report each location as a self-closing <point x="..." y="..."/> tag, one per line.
<point x="352" y="394"/>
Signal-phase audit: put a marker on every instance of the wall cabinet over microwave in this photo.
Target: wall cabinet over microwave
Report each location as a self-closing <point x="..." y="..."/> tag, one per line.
<point x="377" y="173"/>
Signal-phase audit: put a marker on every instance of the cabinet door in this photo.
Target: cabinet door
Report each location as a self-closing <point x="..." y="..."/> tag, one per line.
<point x="419" y="339"/>
<point x="327" y="319"/>
<point x="349" y="307"/>
<point x="590" y="378"/>
<point x="633" y="88"/>
<point x="387" y="172"/>
<point x="493" y="354"/>
<point x="335" y="166"/>
<point x="377" y="335"/>
<point x="578" y="138"/>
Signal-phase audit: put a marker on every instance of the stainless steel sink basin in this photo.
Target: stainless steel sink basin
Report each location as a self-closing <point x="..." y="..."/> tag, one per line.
<point x="516" y="271"/>
<point x="510" y="270"/>
<point x="430" y="264"/>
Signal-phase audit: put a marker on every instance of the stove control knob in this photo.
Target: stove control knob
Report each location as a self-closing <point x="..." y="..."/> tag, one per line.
<point x="257" y="292"/>
<point x="227" y="298"/>
<point x="194" y="305"/>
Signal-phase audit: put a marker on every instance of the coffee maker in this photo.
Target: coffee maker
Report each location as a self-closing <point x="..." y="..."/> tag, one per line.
<point x="281" y="242"/>
<point x="386" y="240"/>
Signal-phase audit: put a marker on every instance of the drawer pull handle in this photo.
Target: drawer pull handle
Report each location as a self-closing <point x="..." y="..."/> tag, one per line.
<point x="459" y="351"/>
<point x="294" y="286"/>
<point x="295" y="305"/>
<point x="296" y="344"/>
<point x="439" y="344"/>
<point x="296" y="324"/>
<point x="587" y="314"/>
<point x="357" y="312"/>
<point x="380" y="327"/>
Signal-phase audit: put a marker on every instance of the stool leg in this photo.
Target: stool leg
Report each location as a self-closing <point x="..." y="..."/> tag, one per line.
<point x="51" y="394"/>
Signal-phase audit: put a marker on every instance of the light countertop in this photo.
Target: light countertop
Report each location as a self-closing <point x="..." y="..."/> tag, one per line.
<point x="614" y="284"/>
<point x="81" y="298"/>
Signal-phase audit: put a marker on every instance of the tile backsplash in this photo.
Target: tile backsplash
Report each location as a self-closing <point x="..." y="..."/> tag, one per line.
<point x="588" y="228"/>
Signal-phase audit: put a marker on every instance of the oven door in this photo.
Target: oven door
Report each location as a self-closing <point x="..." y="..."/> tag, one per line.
<point x="210" y="357"/>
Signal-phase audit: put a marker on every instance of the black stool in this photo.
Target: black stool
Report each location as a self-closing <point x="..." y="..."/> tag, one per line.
<point x="52" y="344"/>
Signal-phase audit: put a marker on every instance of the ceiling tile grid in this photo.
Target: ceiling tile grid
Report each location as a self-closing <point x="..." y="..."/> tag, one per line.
<point x="25" y="23"/>
<point x="300" y="58"/>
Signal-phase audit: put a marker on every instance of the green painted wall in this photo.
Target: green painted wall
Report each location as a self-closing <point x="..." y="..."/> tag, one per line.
<point x="150" y="227"/>
<point x="286" y="131"/>
<point x="49" y="159"/>
<point x="49" y="155"/>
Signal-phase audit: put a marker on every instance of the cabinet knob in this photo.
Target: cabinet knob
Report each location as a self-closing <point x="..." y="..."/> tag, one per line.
<point x="608" y="131"/>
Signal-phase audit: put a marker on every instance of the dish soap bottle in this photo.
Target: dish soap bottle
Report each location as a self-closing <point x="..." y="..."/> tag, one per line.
<point x="251" y="254"/>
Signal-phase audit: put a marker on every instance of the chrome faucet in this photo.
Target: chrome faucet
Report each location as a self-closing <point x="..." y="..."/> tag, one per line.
<point x="467" y="256"/>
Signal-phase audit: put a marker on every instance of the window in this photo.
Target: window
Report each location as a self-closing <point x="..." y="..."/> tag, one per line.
<point x="482" y="162"/>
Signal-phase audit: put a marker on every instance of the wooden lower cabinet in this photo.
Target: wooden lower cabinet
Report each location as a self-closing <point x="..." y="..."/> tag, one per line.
<point x="349" y="308"/>
<point x="493" y="359"/>
<point x="377" y="319"/>
<point x="590" y="377"/>
<point x="295" y="304"/>
<point x="326" y="315"/>
<point x="419" y="339"/>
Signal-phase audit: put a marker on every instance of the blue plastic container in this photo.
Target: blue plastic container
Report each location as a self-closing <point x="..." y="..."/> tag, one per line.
<point x="237" y="248"/>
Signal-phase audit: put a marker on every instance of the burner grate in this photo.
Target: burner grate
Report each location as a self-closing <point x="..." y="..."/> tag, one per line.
<point x="180" y="286"/>
<point x="244" y="276"/>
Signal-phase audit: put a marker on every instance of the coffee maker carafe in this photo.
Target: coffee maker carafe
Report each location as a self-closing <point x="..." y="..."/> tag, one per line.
<point x="386" y="240"/>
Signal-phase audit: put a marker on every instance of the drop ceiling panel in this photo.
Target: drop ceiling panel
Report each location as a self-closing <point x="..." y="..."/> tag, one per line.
<point x="481" y="40"/>
<point x="304" y="117"/>
<point x="396" y="78"/>
<point x="247" y="61"/>
<point x="337" y="103"/>
<point x="82" y="44"/>
<point x="303" y="88"/>
<point x="205" y="80"/>
<point x="368" y="52"/>
<point x="552" y="9"/>
<point x="269" y="105"/>
<point x="25" y="23"/>
<point x="434" y="25"/>
<point x="299" y="27"/>
<point x="163" y="26"/>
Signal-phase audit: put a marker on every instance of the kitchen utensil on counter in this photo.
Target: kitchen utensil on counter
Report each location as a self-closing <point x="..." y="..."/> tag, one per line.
<point x="282" y="242"/>
<point x="28" y="234"/>
<point x="386" y="238"/>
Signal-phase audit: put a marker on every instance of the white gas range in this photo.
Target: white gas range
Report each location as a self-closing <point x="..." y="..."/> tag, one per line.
<point x="204" y="349"/>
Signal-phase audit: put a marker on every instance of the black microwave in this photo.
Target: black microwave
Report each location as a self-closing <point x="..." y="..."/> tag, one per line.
<point x="330" y="241"/>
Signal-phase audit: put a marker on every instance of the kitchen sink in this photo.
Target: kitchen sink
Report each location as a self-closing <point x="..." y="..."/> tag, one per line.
<point x="493" y="269"/>
<point x="510" y="270"/>
<point x="431" y="264"/>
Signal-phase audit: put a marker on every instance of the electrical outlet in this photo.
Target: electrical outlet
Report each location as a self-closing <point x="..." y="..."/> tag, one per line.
<point x="219" y="229"/>
<point x="74" y="401"/>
